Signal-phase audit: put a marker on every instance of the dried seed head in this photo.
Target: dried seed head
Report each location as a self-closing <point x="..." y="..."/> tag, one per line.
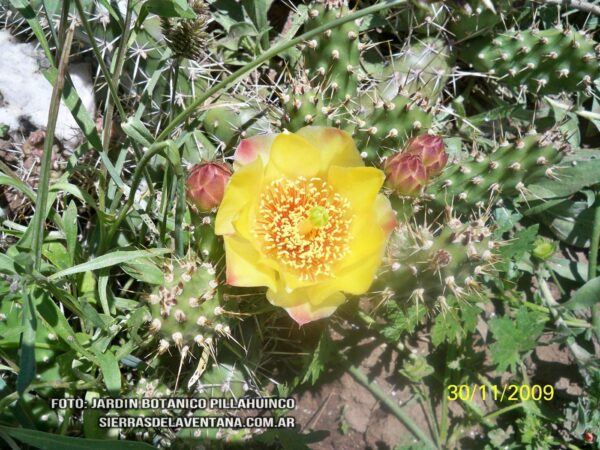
<point x="187" y="38"/>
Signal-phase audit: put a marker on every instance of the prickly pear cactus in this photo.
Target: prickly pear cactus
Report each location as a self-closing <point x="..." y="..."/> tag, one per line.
<point x="382" y="107"/>
<point x="427" y="264"/>
<point x="436" y="274"/>
<point x="503" y="173"/>
<point x="187" y="309"/>
<point x="474" y="18"/>
<point x="423" y="67"/>
<point x="233" y="119"/>
<point x="387" y="125"/>
<point x="329" y="71"/>
<point x="539" y="61"/>
<point x="220" y="381"/>
<point x="332" y="60"/>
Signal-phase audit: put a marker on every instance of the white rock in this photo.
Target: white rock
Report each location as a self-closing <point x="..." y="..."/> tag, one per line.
<point x="25" y="93"/>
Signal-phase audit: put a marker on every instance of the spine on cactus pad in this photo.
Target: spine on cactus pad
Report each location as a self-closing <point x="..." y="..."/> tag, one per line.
<point x="538" y="61"/>
<point x="504" y="173"/>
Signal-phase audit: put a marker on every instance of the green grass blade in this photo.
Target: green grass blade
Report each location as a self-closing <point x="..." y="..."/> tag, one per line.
<point x="108" y="260"/>
<point x="27" y="365"/>
<point x="109" y="365"/>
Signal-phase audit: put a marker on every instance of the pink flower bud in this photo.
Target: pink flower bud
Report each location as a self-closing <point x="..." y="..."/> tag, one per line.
<point x="406" y="174"/>
<point x="432" y="152"/>
<point x="206" y="184"/>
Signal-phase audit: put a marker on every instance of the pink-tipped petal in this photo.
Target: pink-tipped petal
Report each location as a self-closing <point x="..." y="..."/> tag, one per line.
<point x="307" y="304"/>
<point x="303" y="314"/>
<point x="252" y="148"/>
<point x="386" y="216"/>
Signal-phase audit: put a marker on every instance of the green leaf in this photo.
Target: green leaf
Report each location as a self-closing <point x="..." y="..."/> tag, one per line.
<point x="321" y="358"/>
<point x="18" y="184"/>
<point x="416" y="368"/>
<point x="108" y="260"/>
<point x="521" y="243"/>
<point x="571" y="270"/>
<point x="586" y="296"/>
<point x="71" y="230"/>
<point x="227" y="13"/>
<point x="505" y="220"/>
<point x="257" y="11"/>
<point x="447" y="328"/>
<point x="236" y="33"/>
<point x="7" y="265"/>
<point x="49" y="441"/>
<point x="56" y="254"/>
<point x="514" y="337"/>
<point x="144" y="270"/>
<point x="91" y="430"/>
<point x="401" y="320"/>
<point x="136" y="130"/>
<point x="54" y="319"/>
<point x="27" y="365"/>
<point x="103" y="294"/>
<point x="76" y="191"/>
<point x="110" y="370"/>
<point x="170" y="8"/>
<point x="571" y="179"/>
<point x="570" y="221"/>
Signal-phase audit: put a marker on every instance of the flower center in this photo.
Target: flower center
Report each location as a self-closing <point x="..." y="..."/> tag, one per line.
<point x="305" y="225"/>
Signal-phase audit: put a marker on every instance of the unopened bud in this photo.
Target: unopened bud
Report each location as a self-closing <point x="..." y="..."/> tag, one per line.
<point x="432" y="151"/>
<point x="206" y="185"/>
<point x="406" y="174"/>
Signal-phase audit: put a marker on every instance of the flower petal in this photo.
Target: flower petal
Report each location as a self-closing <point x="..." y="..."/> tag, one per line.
<point x="357" y="271"/>
<point x="243" y="268"/>
<point x="242" y="190"/>
<point x="251" y="148"/>
<point x="369" y="239"/>
<point x="303" y="307"/>
<point x="292" y="156"/>
<point x="360" y="185"/>
<point x="335" y="146"/>
<point x="358" y="277"/>
<point x="305" y="313"/>
<point x="386" y="216"/>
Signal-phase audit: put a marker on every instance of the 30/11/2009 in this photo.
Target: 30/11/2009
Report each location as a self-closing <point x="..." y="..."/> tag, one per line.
<point x="511" y="392"/>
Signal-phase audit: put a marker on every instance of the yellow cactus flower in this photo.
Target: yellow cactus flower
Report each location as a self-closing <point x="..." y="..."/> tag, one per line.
<point x="303" y="216"/>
